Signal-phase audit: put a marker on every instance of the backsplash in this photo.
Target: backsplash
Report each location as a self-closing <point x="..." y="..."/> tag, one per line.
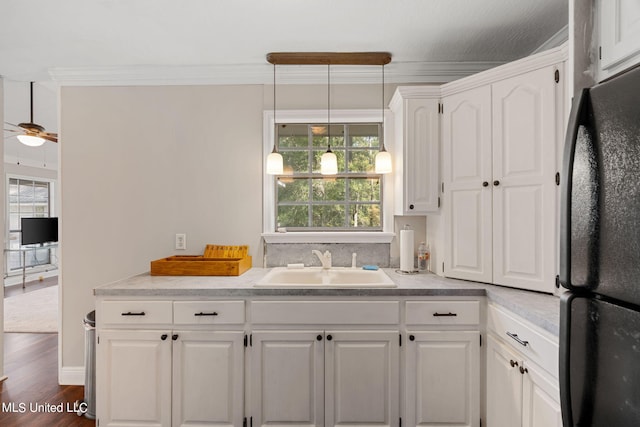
<point x="281" y="254"/>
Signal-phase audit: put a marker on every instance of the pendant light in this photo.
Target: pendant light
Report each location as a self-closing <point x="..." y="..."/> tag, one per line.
<point x="383" y="158"/>
<point x="274" y="159"/>
<point x="329" y="161"/>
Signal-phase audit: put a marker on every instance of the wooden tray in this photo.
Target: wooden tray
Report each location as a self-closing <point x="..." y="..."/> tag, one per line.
<point x="197" y="265"/>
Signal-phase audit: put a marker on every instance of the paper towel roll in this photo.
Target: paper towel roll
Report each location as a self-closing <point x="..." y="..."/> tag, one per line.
<point x="406" y="250"/>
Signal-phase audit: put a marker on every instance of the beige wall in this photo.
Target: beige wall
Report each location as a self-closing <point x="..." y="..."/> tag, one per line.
<point x="140" y="164"/>
<point x="2" y="234"/>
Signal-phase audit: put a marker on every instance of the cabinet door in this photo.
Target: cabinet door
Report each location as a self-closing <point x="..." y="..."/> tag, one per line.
<point x="467" y="203"/>
<point x="362" y="378"/>
<point x="619" y="34"/>
<point x="504" y="386"/>
<point x="287" y="378"/>
<point x="541" y="399"/>
<point x="208" y="378"/>
<point x="443" y="379"/>
<point x="134" y="382"/>
<point x="421" y="156"/>
<point x="524" y="188"/>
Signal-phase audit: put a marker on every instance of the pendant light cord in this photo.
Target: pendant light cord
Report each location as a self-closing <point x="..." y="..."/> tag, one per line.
<point x="381" y="136"/>
<point x="275" y="123"/>
<point x="328" y="108"/>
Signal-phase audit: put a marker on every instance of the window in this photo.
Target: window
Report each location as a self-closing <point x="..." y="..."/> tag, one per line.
<point x="27" y="198"/>
<point x="355" y="206"/>
<point x="309" y="201"/>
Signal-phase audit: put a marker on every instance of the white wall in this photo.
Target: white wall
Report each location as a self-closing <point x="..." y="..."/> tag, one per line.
<point x="2" y="236"/>
<point x="139" y="164"/>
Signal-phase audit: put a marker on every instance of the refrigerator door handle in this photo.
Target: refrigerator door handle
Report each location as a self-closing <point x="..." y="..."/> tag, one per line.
<point x="565" y="359"/>
<point x="577" y="118"/>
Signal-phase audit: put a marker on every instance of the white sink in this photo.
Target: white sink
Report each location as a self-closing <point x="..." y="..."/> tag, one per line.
<point x="316" y="277"/>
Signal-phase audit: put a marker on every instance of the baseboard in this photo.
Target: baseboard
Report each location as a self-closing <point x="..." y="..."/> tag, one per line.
<point x="71" y="375"/>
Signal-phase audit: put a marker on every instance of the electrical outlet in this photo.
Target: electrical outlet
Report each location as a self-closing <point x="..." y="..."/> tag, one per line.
<point x="181" y="241"/>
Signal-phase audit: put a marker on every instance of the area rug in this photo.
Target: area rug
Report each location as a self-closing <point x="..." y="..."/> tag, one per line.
<point x="35" y="311"/>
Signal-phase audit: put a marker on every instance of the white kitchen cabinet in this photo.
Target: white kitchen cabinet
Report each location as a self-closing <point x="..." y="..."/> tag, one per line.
<point x="499" y="161"/>
<point x="208" y="370"/>
<point x="519" y="393"/>
<point x="619" y="35"/>
<point x="134" y="378"/>
<point x="416" y="149"/>
<point x="325" y="378"/>
<point x="152" y="372"/>
<point x="443" y="378"/>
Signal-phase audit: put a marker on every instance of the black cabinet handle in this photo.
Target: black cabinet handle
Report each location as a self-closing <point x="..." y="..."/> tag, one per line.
<point x="436" y="314"/>
<point x="213" y="313"/>
<point x="163" y="337"/>
<point x="319" y="337"/>
<point x="513" y="363"/>
<point x="412" y="337"/>
<point x="174" y="337"/>
<point x="485" y="184"/>
<point x="131" y="313"/>
<point x="517" y="339"/>
<point x="410" y="206"/>
<point x="496" y="182"/>
<point x="329" y="337"/>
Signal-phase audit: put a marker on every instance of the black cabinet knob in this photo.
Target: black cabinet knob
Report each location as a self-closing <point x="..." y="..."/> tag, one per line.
<point x="329" y="337"/>
<point x="411" y="206"/>
<point x="523" y="370"/>
<point x="496" y="182"/>
<point x="174" y="337"/>
<point x="513" y="363"/>
<point x="319" y="337"/>
<point x="485" y="184"/>
<point x="412" y="337"/>
<point x="163" y="337"/>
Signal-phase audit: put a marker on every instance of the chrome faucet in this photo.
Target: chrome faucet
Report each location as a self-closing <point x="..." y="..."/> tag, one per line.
<point x="325" y="258"/>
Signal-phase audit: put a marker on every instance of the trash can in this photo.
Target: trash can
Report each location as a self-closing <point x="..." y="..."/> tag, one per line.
<point x="90" y="364"/>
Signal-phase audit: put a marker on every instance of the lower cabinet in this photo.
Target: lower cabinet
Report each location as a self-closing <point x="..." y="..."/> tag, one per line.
<point x="519" y="393"/>
<point x="325" y="378"/>
<point x="443" y="378"/>
<point x="170" y="378"/>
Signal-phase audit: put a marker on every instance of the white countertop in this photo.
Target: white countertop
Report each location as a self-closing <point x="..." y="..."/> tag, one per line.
<point x="540" y="309"/>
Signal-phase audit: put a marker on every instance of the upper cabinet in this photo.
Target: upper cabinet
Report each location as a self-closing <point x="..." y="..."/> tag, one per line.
<point x="501" y="133"/>
<point x="619" y="35"/>
<point x="417" y="172"/>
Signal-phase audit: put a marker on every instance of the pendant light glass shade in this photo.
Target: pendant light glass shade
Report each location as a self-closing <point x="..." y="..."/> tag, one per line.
<point x="30" y="140"/>
<point x="275" y="163"/>
<point x="329" y="163"/>
<point x="383" y="163"/>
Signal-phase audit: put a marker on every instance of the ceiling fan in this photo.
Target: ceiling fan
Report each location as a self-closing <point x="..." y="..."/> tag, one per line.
<point x="32" y="134"/>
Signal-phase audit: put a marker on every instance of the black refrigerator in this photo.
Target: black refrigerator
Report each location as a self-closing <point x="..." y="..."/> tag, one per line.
<point x="600" y="257"/>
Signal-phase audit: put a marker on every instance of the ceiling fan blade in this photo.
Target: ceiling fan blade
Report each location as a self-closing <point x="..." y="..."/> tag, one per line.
<point x="53" y="137"/>
<point x="12" y="130"/>
<point x="11" y="124"/>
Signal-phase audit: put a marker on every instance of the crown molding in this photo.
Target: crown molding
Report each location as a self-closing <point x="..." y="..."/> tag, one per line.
<point x="399" y="73"/>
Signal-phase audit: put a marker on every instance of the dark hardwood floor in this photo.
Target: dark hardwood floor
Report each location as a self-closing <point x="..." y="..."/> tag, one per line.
<point x="31" y="364"/>
<point x="31" y="394"/>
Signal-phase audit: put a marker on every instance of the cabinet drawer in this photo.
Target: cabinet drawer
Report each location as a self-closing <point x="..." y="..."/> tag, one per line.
<point x="443" y="313"/>
<point x="136" y="312"/>
<point x="208" y="312"/>
<point x="326" y="312"/>
<point x="524" y="338"/>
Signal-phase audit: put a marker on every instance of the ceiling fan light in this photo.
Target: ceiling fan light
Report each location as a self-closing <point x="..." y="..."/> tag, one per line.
<point x="328" y="163"/>
<point x="383" y="162"/>
<point x="31" y="140"/>
<point x="274" y="164"/>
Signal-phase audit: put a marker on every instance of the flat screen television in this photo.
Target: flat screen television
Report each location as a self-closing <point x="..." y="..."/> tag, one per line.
<point x="39" y="230"/>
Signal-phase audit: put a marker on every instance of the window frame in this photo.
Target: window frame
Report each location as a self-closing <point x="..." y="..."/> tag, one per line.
<point x="320" y="116"/>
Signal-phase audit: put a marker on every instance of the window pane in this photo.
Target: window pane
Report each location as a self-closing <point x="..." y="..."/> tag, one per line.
<point x="328" y="216"/>
<point x="365" y="216"/>
<point x="293" y="216"/>
<point x="293" y="190"/>
<point x="295" y="161"/>
<point x="14" y="222"/>
<point x="293" y="136"/>
<point x="364" y="189"/>
<point x="329" y="189"/>
<point x="364" y="135"/>
<point x="362" y="161"/>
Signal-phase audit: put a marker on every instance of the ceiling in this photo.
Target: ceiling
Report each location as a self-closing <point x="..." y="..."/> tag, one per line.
<point x="225" y="41"/>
